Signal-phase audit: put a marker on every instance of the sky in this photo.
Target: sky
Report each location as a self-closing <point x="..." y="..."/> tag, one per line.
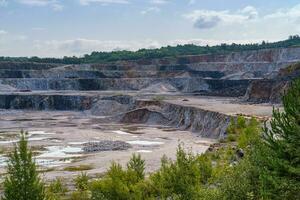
<point x="57" y="28"/>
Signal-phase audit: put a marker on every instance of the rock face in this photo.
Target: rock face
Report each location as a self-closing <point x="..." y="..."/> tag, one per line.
<point x="202" y="122"/>
<point x="45" y="102"/>
<point x="259" y="76"/>
<point x="271" y="90"/>
<point x="222" y="75"/>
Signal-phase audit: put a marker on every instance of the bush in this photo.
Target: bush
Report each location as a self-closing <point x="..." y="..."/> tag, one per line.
<point x="78" y="168"/>
<point x="56" y="189"/>
<point x="122" y="184"/>
<point x="158" y="98"/>
<point x="271" y="166"/>
<point x="80" y="195"/>
<point x="182" y="178"/>
<point x="81" y="182"/>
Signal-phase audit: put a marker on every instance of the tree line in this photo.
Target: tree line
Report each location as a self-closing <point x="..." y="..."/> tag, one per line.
<point x="169" y="51"/>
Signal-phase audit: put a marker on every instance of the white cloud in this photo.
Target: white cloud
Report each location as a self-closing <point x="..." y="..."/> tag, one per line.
<point x="57" y="7"/>
<point x="249" y="11"/>
<point x="289" y="14"/>
<point x="3" y="32"/>
<point x="38" y="29"/>
<point x="104" y="2"/>
<point x="81" y="46"/>
<point x="159" y="2"/>
<point x="149" y="10"/>
<point x="3" y="2"/>
<point x="54" y="4"/>
<point x="20" y="38"/>
<point x="191" y="2"/>
<point x="246" y="23"/>
<point x="206" y="19"/>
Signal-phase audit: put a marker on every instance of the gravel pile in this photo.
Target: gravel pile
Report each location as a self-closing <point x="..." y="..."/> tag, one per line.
<point x="106" y="145"/>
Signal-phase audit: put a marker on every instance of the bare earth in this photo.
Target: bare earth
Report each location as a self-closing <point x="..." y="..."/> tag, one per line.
<point x="58" y="137"/>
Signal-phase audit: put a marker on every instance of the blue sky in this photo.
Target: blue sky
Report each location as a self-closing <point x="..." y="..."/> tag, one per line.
<point x="74" y="27"/>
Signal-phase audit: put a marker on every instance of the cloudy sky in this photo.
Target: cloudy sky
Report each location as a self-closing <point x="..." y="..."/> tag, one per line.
<point x="56" y="28"/>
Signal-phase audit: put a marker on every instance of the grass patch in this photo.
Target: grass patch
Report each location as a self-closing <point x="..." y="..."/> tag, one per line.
<point x="78" y="168"/>
<point x="158" y="98"/>
<point x="44" y="170"/>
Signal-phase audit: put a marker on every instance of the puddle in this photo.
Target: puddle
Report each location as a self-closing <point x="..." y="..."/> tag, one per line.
<point x="121" y="132"/>
<point x="163" y="138"/>
<point x="40" y="161"/>
<point x="12" y="138"/>
<point x="61" y="152"/>
<point x="56" y="140"/>
<point x="8" y="141"/>
<point x="38" y="139"/>
<point x="77" y="143"/>
<point x="144" y="142"/>
<point x="144" y="151"/>
<point x="3" y="161"/>
<point x="30" y="133"/>
<point x="83" y="143"/>
<point x="52" y="162"/>
<point x="29" y="139"/>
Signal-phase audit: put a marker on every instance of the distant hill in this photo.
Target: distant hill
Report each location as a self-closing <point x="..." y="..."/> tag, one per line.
<point x="169" y="51"/>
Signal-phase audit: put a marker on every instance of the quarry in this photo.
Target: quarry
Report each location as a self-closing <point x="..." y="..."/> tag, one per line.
<point x="92" y="114"/>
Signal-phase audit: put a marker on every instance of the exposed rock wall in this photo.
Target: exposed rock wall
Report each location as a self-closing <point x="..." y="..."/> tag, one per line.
<point x="220" y="75"/>
<point x="187" y="85"/>
<point x="271" y="90"/>
<point x="202" y="122"/>
<point x="27" y="66"/>
<point x="45" y="102"/>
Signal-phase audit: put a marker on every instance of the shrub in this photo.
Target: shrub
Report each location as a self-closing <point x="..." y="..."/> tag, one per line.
<point x="182" y="178"/>
<point x="80" y="195"/>
<point x="158" y="98"/>
<point x="22" y="181"/>
<point x="78" y="168"/>
<point x="113" y="186"/>
<point x="81" y="182"/>
<point x="56" y="189"/>
<point x="136" y="168"/>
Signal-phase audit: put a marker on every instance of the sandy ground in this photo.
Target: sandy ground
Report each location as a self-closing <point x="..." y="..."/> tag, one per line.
<point x="228" y="106"/>
<point x="58" y="136"/>
<point x="70" y="129"/>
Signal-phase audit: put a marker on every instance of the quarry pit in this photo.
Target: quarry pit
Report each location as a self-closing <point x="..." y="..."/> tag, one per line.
<point x="94" y="114"/>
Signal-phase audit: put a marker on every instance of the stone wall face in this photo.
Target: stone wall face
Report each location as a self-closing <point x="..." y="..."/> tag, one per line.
<point x="255" y="75"/>
<point x="221" y="75"/>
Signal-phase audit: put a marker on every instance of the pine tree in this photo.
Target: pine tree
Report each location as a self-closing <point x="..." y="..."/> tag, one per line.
<point x="281" y="174"/>
<point x="136" y="165"/>
<point x="22" y="181"/>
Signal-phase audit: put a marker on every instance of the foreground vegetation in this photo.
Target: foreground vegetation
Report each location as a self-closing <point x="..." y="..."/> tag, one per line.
<point x="169" y="51"/>
<point x="251" y="163"/>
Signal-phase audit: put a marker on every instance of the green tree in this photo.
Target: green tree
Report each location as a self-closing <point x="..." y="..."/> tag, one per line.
<point x="113" y="186"/>
<point x="270" y="168"/>
<point x="22" y="181"/>
<point x="82" y="182"/>
<point x="280" y="176"/>
<point x="56" y="189"/>
<point x="136" y="165"/>
<point x="123" y="184"/>
<point x="183" y="178"/>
